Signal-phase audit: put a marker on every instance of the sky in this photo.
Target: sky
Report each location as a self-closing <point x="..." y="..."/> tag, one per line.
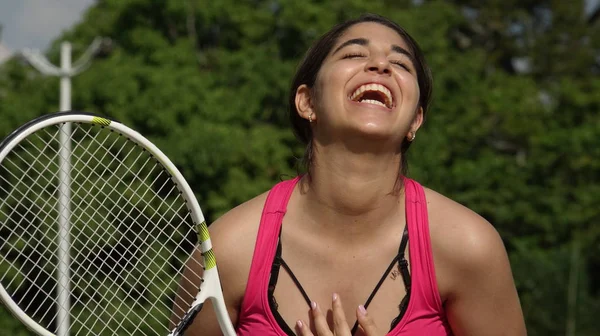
<point x="36" y="23"/>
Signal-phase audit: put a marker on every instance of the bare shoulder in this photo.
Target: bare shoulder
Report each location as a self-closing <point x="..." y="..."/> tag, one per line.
<point x="456" y="228"/>
<point x="233" y="237"/>
<point x="238" y="223"/>
<point x="472" y="270"/>
<point x="462" y="240"/>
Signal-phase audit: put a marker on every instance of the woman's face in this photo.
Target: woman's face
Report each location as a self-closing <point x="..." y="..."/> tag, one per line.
<point x="367" y="86"/>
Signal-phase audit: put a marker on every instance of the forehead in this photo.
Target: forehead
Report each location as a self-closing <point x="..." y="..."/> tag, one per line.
<point x="375" y="33"/>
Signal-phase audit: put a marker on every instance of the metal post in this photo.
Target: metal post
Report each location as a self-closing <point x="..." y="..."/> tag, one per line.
<point x="65" y="72"/>
<point x="64" y="208"/>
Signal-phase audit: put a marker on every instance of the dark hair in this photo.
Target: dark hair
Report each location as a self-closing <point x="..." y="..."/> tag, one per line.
<point x="313" y="60"/>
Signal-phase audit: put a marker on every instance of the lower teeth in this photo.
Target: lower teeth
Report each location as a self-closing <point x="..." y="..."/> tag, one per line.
<point x="373" y="101"/>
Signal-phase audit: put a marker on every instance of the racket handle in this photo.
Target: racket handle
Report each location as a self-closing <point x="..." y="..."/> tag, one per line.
<point x="187" y="319"/>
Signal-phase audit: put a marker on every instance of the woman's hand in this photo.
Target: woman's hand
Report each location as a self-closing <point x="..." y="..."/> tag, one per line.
<point x="340" y="326"/>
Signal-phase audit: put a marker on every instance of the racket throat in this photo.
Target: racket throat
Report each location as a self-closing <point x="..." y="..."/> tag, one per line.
<point x="187" y="320"/>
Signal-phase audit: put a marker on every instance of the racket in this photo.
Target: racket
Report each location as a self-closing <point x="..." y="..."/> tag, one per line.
<point x="97" y="227"/>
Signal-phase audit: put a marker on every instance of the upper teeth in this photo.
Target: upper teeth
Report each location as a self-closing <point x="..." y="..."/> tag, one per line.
<point x="373" y="87"/>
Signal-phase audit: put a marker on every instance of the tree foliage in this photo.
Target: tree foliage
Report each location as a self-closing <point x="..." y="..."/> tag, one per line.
<point x="512" y="132"/>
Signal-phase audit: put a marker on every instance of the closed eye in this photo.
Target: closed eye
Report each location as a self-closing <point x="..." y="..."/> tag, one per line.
<point x="353" y="55"/>
<point x="401" y="64"/>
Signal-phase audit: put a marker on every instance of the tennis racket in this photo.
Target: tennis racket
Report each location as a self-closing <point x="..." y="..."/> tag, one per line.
<point x="97" y="227"/>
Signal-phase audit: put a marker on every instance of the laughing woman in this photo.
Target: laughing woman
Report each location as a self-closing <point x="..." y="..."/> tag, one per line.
<point x="353" y="247"/>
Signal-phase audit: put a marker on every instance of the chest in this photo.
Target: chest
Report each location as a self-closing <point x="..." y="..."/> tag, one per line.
<point x="314" y="270"/>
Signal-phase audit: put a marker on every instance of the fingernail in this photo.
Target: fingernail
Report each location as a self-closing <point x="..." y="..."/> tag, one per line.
<point x="313" y="305"/>
<point x="299" y="324"/>
<point x="335" y="296"/>
<point x="362" y="310"/>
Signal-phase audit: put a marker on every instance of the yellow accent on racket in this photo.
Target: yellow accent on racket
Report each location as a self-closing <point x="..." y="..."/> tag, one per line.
<point x="101" y="121"/>
<point x="202" y="232"/>
<point x="209" y="258"/>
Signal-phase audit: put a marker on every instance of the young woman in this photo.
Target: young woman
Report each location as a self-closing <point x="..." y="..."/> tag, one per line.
<point x="353" y="247"/>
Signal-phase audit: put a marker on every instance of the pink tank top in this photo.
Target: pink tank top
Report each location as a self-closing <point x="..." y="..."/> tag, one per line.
<point x="424" y="314"/>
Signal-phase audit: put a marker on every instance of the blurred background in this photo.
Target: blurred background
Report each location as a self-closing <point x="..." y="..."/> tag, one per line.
<point x="513" y="132"/>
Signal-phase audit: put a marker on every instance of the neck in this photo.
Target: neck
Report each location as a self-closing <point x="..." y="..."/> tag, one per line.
<point x="351" y="193"/>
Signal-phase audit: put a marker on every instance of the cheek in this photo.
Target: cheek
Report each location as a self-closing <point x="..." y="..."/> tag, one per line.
<point x="410" y="87"/>
<point x="329" y="89"/>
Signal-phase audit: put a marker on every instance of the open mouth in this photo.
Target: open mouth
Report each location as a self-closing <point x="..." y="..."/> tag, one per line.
<point x="375" y="94"/>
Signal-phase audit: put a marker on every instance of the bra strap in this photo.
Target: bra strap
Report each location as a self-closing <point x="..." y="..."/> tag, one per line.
<point x="402" y="263"/>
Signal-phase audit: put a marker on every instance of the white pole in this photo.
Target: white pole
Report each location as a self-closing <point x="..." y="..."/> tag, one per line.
<point x="65" y="72"/>
<point x="65" y="79"/>
<point x="64" y="207"/>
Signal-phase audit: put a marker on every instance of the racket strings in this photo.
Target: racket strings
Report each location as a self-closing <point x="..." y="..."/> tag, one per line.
<point x="115" y="264"/>
<point x="47" y="276"/>
<point x="147" y="204"/>
<point x="33" y="241"/>
<point x="187" y="297"/>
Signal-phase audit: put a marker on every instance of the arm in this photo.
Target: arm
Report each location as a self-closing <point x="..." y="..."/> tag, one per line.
<point x="232" y="242"/>
<point x="473" y="272"/>
<point x="206" y="319"/>
<point x="485" y="300"/>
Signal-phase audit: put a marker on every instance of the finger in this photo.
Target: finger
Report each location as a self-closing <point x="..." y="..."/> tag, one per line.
<point x="321" y="326"/>
<point x="303" y="329"/>
<point x="340" y="326"/>
<point x="366" y="322"/>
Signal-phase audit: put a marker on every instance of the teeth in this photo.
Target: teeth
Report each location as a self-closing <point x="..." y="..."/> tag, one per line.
<point x="373" y="101"/>
<point x="373" y="87"/>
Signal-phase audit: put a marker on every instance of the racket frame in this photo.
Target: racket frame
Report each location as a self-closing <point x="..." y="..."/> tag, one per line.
<point x="211" y="286"/>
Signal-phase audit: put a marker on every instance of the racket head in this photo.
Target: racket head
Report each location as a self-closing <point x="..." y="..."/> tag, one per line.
<point x="128" y="229"/>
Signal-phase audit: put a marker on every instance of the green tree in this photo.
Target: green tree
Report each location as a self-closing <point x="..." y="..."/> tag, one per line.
<point x="512" y="132"/>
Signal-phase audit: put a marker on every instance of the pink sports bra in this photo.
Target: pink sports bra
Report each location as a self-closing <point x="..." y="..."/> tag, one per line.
<point x="423" y="315"/>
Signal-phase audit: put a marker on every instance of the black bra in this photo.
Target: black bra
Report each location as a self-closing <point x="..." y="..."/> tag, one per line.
<point x="402" y="267"/>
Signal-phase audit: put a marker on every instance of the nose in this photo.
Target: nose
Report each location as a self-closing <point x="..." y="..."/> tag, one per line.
<point x="379" y="64"/>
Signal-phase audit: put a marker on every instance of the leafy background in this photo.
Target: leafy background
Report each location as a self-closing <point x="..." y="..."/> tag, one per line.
<point x="513" y="131"/>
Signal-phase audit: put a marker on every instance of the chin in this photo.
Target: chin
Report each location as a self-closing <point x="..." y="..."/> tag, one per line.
<point x="375" y="131"/>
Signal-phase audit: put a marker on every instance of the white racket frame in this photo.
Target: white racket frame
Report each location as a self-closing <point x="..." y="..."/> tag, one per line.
<point x="210" y="288"/>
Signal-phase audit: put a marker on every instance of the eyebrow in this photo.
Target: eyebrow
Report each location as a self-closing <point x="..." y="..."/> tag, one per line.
<point x="364" y="42"/>
<point x="359" y="41"/>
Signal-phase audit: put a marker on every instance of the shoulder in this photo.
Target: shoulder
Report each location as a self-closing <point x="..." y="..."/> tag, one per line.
<point x="463" y="243"/>
<point x="238" y="222"/>
<point x="452" y="223"/>
<point x="473" y="272"/>
<point x="233" y="236"/>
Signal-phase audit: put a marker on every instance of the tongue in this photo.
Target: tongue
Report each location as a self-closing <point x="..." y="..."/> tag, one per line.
<point x="372" y="95"/>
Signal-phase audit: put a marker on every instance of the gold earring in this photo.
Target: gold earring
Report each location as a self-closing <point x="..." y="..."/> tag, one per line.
<point x="310" y="119"/>
<point x="414" y="135"/>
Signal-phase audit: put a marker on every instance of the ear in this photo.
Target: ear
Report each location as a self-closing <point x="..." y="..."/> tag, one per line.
<point x="304" y="103"/>
<point x="417" y="121"/>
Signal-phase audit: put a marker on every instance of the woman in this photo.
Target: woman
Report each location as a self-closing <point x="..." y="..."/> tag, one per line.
<point x="312" y="254"/>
